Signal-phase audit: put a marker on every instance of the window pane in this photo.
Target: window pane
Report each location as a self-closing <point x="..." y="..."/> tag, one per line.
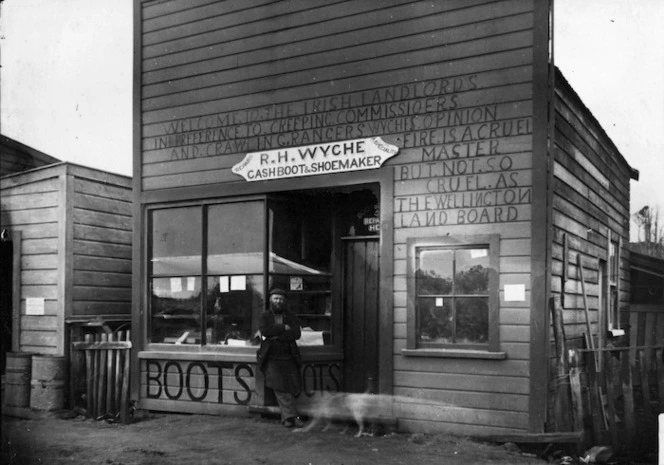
<point x="300" y="236"/>
<point x="472" y="319"/>
<point x="176" y="241"/>
<point x="472" y="271"/>
<point x="235" y="238"/>
<point x="436" y="323"/>
<point x="234" y="303"/>
<point x="310" y="298"/>
<point x="434" y="271"/>
<point x="175" y="305"/>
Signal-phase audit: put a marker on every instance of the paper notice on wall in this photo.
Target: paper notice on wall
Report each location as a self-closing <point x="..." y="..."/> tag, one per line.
<point x="34" y="306"/>
<point x="515" y="292"/>
<point x="238" y="283"/>
<point x="296" y="283"/>
<point x="439" y="301"/>
<point x="223" y="284"/>
<point x="176" y="285"/>
<point x="191" y="283"/>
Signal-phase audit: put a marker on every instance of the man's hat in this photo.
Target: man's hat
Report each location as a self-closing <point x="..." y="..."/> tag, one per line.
<point x="278" y="291"/>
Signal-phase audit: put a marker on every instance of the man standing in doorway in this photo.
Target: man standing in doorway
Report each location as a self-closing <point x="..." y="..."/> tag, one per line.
<point x="279" y="357"/>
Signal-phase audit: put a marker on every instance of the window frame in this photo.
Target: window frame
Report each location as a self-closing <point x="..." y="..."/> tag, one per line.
<point x="488" y="350"/>
<point x="203" y="206"/>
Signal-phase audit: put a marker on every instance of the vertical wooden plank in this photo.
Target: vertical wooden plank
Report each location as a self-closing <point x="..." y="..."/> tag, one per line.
<point x="650" y="338"/>
<point x="589" y="340"/>
<point x="628" y="395"/>
<point x="102" y="378"/>
<point x="645" y="385"/>
<point x="606" y="380"/>
<point x="95" y="385"/>
<point x="561" y="401"/>
<point x="109" y="376"/>
<point x="89" y="377"/>
<point x="576" y="392"/>
<point x="659" y="362"/>
<point x="595" y="400"/>
<point x="124" y="414"/>
<point x="118" y="376"/>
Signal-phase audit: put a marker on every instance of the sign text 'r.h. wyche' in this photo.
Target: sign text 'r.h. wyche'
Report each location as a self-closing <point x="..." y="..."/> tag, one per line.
<point x="310" y="160"/>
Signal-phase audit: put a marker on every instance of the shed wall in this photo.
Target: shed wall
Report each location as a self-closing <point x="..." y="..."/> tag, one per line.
<point x="31" y="204"/>
<point x="101" y="247"/>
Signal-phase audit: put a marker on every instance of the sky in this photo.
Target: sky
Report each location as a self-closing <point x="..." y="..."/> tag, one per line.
<point x="66" y="79"/>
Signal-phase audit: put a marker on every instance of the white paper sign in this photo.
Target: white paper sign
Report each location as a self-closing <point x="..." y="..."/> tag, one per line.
<point x="223" y="284"/>
<point x="34" y="306"/>
<point x="176" y="285"/>
<point x="238" y="283"/>
<point x="439" y="301"/>
<point x="515" y="292"/>
<point x="191" y="283"/>
<point x="310" y="160"/>
<point x="296" y="283"/>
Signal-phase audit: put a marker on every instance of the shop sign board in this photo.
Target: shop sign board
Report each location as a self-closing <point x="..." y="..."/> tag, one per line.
<point x="310" y="160"/>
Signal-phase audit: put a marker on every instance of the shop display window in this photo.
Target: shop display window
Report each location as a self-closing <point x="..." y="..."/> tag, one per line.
<point x="212" y="265"/>
<point x="454" y="295"/>
<point x="175" y="284"/>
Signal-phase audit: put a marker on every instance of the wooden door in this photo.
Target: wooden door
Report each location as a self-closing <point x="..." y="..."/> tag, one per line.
<point x="360" y="313"/>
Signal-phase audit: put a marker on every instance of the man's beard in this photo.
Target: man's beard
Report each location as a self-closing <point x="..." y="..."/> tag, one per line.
<point x="277" y="308"/>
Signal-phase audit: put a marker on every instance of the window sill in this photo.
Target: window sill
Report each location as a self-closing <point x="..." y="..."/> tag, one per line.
<point x="454" y="353"/>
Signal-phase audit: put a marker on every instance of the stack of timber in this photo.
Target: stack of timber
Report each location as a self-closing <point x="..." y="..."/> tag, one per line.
<point x="107" y="358"/>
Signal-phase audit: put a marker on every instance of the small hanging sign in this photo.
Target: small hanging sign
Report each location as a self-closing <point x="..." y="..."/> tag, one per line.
<point x="310" y="160"/>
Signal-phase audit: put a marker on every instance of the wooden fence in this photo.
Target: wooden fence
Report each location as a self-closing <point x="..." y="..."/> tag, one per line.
<point x="107" y="358"/>
<point x="618" y="392"/>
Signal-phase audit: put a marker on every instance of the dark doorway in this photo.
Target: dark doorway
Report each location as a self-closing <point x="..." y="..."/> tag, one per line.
<point x="6" y="287"/>
<point x="360" y="313"/>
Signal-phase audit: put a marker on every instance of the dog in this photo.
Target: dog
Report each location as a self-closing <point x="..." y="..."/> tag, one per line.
<point x="359" y="407"/>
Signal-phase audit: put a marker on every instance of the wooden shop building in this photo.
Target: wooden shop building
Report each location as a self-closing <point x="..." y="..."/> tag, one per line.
<point x="417" y="175"/>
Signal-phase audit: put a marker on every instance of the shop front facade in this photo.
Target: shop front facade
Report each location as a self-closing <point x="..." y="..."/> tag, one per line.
<point x="388" y="165"/>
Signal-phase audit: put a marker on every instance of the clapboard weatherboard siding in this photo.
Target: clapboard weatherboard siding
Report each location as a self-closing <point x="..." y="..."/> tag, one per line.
<point x="70" y="218"/>
<point x="102" y="226"/>
<point x="590" y="207"/>
<point x="30" y="204"/>
<point x="234" y="74"/>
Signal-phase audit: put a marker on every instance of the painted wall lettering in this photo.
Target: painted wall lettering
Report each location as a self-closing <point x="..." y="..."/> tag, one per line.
<point x="321" y="377"/>
<point x="179" y="380"/>
<point x="390" y="110"/>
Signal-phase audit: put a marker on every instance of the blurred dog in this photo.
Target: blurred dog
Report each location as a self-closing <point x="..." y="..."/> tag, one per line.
<point x="359" y="407"/>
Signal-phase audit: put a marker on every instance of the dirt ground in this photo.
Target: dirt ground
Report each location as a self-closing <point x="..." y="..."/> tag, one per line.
<point x="164" y="439"/>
